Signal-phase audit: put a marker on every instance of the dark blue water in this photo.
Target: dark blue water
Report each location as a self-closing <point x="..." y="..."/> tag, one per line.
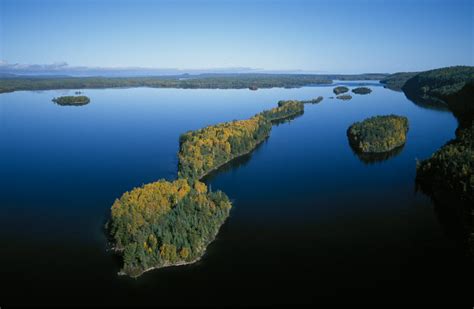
<point x="311" y="221"/>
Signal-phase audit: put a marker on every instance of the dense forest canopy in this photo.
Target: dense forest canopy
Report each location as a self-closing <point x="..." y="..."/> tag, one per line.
<point x="378" y="134"/>
<point x="440" y="83"/>
<point x="165" y="223"/>
<point x="397" y="81"/>
<point x="71" y="100"/>
<point x="203" y="150"/>
<point x="208" y="81"/>
<point x="340" y="89"/>
<point x="361" y="90"/>
<point x="453" y="86"/>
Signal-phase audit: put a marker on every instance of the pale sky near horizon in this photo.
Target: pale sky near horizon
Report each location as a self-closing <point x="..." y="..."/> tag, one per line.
<point x="323" y="36"/>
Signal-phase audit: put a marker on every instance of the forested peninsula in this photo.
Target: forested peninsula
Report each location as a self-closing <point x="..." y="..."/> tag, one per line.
<point x="451" y="168"/>
<point x="448" y="175"/>
<point x="171" y="223"/>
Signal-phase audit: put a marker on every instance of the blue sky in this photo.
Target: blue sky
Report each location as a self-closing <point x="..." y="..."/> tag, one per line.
<point x="318" y="36"/>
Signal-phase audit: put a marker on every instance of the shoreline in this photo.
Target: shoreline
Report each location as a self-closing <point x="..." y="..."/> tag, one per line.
<point x="233" y="158"/>
<point x="180" y="263"/>
<point x="197" y="259"/>
<point x="273" y="122"/>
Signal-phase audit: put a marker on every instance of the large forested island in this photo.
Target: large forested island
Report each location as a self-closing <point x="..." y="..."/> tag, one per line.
<point x="186" y="81"/>
<point x="378" y="134"/>
<point x="72" y="100"/>
<point x="171" y="223"/>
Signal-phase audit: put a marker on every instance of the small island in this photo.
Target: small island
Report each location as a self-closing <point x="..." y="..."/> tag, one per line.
<point x="361" y="90"/>
<point x="72" y="100"/>
<point x="313" y="101"/>
<point x="340" y="89"/>
<point x="253" y="88"/>
<point x="344" y="97"/>
<point x="378" y="134"/>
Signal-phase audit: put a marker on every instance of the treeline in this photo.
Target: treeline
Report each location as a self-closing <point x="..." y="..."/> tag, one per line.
<point x="71" y="100"/>
<point x="166" y="223"/>
<point x="206" y="81"/>
<point x="378" y="134"/>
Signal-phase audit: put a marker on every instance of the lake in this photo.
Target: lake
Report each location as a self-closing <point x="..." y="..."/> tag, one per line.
<point x="311" y="221"/>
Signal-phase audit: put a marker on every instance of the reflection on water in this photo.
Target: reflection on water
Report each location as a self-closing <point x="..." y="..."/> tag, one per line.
<point x="432" y="104"/>
<point x="74" y="104"/>
<point x="287" y="119"/>
<point x="373" y="157"/>
<point x="234" y="164"/>
<point x="456" y="217"/>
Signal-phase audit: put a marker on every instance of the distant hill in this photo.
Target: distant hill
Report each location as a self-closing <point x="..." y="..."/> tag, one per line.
<point x="453" y="86"/>
<point x="397" y="81"/>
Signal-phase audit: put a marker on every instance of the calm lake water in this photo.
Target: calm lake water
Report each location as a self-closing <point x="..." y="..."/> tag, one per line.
<point x="311" y="221"/>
